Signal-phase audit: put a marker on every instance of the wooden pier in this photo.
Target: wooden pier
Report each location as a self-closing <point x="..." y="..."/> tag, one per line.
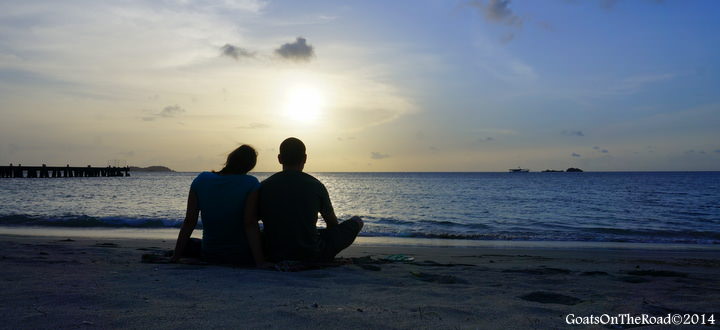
<point x="45" y="171"/>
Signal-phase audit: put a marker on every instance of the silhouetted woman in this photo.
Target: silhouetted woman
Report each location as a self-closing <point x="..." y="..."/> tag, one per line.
<point x="223" y="198"/>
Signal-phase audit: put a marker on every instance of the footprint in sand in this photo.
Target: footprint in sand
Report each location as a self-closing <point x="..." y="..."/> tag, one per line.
<point x="550" y="298"/>
<point x="657" y="273"/>
<point x="443" y="279"/>
<point x="539" y="271"/>
<point x="113" y="245"/>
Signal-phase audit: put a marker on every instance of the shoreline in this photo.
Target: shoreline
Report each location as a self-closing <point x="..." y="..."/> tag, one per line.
<point x="171" y="233"/>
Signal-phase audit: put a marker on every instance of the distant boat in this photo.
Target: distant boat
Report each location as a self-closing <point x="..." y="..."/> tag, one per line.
<point x="550" y="171"/>
<point x="519" y="170"/>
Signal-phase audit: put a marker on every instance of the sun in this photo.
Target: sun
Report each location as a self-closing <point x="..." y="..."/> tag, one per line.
<point x="303" y="103"/>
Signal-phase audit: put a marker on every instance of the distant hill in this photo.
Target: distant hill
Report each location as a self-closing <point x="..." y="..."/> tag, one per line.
<point x="150" y="169"/>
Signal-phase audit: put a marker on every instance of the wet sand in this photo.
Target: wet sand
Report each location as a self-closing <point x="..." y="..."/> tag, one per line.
<point x="83" y="282"/>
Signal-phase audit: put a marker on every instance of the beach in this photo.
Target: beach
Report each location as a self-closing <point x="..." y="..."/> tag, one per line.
<point x="65" y="281"/>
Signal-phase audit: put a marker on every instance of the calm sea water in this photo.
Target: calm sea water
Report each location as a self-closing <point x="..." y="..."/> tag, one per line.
<point x="659" y="207"/>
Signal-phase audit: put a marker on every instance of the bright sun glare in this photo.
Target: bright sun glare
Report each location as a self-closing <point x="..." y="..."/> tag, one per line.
<point x="304" y="103"/>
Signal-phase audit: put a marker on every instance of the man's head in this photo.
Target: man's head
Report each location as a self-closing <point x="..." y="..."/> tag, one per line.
<point x="292" y="153"/>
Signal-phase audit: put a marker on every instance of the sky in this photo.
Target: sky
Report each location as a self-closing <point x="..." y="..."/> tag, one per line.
<point x="368" y="85"/>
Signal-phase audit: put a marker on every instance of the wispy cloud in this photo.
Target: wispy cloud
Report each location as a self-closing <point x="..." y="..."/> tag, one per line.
<point x="251" y="6"/>
<point x="635" y="83"/>
<point x="254" y="126"/>
<point x="169" y="111"/>
<point x="498" y="11"/>
<point x="495" y="131"/>
<point x="486" y="139"/>
<point x="596" y="148"/>
<point x="235" y="52"/>
<point x="378" y="155"/>
<point x="572" y="133"/>
<point x="610" y="4"/>
<point x="502" y="64"/>
<point x="299" y="50"/>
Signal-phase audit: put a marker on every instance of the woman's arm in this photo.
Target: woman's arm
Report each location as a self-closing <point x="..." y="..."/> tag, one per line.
<point x="191" y="219"/>
<point x="252" y="229"/>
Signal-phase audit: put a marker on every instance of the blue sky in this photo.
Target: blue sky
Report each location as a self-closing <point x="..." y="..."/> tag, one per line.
<point x="370" y="86"/>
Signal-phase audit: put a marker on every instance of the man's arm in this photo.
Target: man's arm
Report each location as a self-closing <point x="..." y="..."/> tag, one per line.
<point x="326" y="210"/>
<point x="191" y="218"/>
<point x="330" y="218"/>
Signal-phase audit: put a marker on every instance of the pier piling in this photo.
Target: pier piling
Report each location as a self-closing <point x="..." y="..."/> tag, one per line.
<point x="67" y="171"/>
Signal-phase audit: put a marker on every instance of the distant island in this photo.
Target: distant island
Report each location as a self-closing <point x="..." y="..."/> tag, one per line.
<point x="150" y="169"/>
<point x="572" y="169"/>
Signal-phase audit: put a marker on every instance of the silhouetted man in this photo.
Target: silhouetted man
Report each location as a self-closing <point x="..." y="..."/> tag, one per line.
<point x="289" y="205"/>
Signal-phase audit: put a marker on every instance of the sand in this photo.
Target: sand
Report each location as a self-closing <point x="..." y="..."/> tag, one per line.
<point x="81" y="282"/>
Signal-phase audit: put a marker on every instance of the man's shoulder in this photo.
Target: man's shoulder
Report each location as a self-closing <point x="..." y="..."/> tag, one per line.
<point x="272" y="178"/>
<point x="310" y="178"/>
<point x="291" y="176"/>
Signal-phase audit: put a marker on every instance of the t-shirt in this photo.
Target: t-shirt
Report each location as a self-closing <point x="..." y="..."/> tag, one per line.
<point x="289" y="206"/>
<point x="221" y="199"/>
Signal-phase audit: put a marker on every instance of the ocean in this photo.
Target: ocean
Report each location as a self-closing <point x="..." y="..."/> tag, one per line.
<point x="646" y="207"/>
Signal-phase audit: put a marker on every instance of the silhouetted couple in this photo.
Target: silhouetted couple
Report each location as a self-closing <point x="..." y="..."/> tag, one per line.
<point x="288" y="202"/>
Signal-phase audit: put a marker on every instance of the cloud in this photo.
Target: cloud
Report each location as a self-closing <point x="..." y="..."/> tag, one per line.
<point x="498" y="11"/>
<point x="235" y="52"/>
<point x="378" y="155"/>
<point x="547" y="26"/>
<point x="254" y="126"/>
<point x="575" y="155"/>
<point x="507" y="37"/>
<point x="298" y="51"/>
<point x="171" y="111"/>
<point x="608" y="4"/>
<point x="486" y="139"/>
<point x="500" y="131"/>
<point x="636" y="83"/>
<point x="717" y="150"/>
<point x="251" y="6"/>
<point x="572" y="133"/>
<point x="596" y="148"/>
